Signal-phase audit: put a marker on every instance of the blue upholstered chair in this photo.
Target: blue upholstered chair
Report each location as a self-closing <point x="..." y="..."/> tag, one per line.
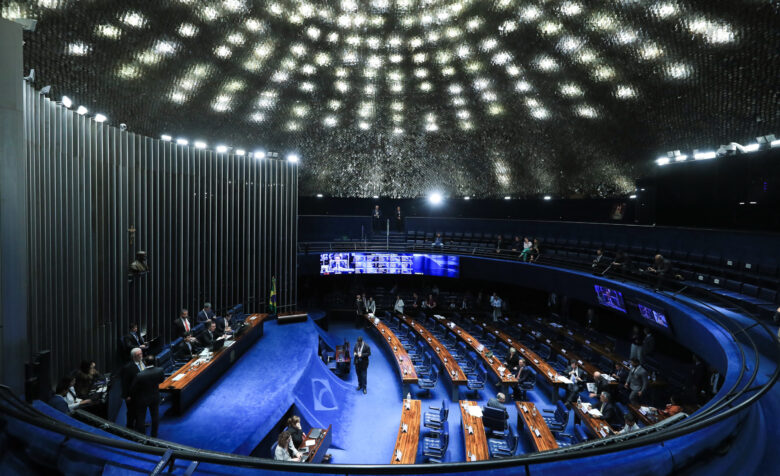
<point x="436" y="418"/>
<point x="503" y="447"/>
<point x="434" y="448"/>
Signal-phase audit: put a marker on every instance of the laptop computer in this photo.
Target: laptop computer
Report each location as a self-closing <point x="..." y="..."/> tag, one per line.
<point x="218" y="344"/>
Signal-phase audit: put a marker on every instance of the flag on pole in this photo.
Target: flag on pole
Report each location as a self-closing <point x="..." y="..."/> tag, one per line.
<point x="272" y="299"/>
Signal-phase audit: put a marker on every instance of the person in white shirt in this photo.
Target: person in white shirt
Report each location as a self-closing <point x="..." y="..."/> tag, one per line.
<point x="630" y="424"/>
<point x="72" y="400"/>
<point x="371" y="306"/>
<point x="399" y="305"/>
<point x="285" y="451"/>
<point x="496" y="303"/>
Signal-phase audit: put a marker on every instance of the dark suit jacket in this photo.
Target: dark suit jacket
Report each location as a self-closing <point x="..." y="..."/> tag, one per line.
<point x="179" y="326"/>
<point x="513" y="361"/>
<point x="133" y="340"/>
<point x="297" y="436"/>
<point x="207" y="339"/>
<point x="145" y="388"/>
<point x="221" y="325"/>
<point x="205" y="316"/>
<point x="648" y="344"/>
<point x="184" y="352"/>
<point x="610" y="413"/>
<point x="526" y="375"/>
<point x="621" y="375"/>
<point x="494" y="403"/>
<point x="128" y="374"/>
<point x="602" y="385"/>
<point x="363" y="361"/>
<point x="58" y="403"/>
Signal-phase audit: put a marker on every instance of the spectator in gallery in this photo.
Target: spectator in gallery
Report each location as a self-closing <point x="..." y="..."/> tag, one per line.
<point x="399" y="219"/>
<point x="464" y="303"/>
<point x="435" y="290"/>
<point x="517" y="245"/>
<point x="398" y="307"/>
<point x="662" y="268"/>
<point x="437" y="242"/>
<point x="598" y="260"/>
<point x="499" y="244"/>
<point x="496" y="305"/>
<point x="376" y="218"/>
<point x="429" y="303"/>
<point x="531" y="254"/>
<point x="591" y="319"/>
<point x="415" y="301"/>
<point x="526" y="243"/>
<point x="621" y="262"/>
<point x="648" y="345"/>
<point x="636" y="343"/>
<point x="371" y="305"/>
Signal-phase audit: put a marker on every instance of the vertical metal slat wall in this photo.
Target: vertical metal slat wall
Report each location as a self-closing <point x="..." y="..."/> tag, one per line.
<point x="215" y="227"/>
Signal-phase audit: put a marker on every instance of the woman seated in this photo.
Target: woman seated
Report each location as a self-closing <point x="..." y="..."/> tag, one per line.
<point x="285" y="451"/>
<point x="531" y="253"/>
<point x="296" y="433"/>
<point x="672" y="408"/>
<point x="85" y="378"/>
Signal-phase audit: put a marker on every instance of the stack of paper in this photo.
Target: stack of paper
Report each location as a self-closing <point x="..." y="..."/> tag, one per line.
<point x="178" y="377"/>
<point x="474" y="410"/>
<point x="594" y="413"/>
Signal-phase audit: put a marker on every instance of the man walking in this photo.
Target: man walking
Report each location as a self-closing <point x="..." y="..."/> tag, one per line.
<point x="361" y="353"/>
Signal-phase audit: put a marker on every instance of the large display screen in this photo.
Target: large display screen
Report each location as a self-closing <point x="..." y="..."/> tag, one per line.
<point x="653" y="315"/>
<point x="390" y="263"/>
<point x="610" y="298"/>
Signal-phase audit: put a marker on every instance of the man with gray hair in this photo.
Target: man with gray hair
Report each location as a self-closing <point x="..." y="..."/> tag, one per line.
<point x="129" y="372"/>
<point x="498" y="402"/>
<point x="608" y="410"/>
<point x="206" y="313"/>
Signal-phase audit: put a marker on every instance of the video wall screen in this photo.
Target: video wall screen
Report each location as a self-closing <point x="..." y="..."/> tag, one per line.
<point x="390" y="263"/>
<point x="652" y="314"/>
<point x="610" y="298"/>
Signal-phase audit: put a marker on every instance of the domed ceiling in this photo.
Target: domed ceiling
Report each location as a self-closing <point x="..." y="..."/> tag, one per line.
<point x="403" y="97"/>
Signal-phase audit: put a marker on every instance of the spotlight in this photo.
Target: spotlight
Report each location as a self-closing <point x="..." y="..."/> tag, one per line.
<point x="199" y="144"/>
<point x="547" y="197"/>
<point x="632" y="196"/>
<point x="100" y="118"/>
<point x="181" y="141"/>
<point x="775" y="143"/>
<point x="82" y="110"/>
<point x="752" y="147"/>
<point x="123" y="127"/>
<point x="45" y="90"/>
<point x="240" y="152"/>
<point x="166" y="137"/>
<point x="662" y="160"/>
<point x="66" y="102"/>
<point x="319" y="195"/>
<point x="376" y="197"/>
<point x="221" y="149"/>
<point x="703" y="155"/>
<point x="507" y="197"/>
<point x="435" y="198"/>
<point x="259" y="154"/>
<point x="30" y="77"/>
<point x="766" y="142"/>
<point x="292" y="158"/>
<point x="466" y="198"/>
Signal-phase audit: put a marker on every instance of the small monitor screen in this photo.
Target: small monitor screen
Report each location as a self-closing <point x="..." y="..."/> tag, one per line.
<point x="654" y="315"/>
<point x="390" y="263"/>
<point x="610" y="298"/>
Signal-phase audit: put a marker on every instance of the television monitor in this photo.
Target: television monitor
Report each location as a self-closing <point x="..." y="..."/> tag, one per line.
<point x="610" y="298"/>
<point x="390" y="263"/>
<point x="654" y="315"/>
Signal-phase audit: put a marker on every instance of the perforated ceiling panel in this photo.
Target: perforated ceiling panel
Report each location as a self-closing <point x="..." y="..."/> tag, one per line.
<point x="403" y="97"/>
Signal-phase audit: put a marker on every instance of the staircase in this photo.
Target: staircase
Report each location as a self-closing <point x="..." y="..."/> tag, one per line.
<point x="396" y="240"/>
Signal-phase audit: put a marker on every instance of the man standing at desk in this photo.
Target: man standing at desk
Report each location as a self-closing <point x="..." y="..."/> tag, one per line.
<point x="145" y="394"/>
<point x="360" y="354"/>
<point x="206" y="313"/>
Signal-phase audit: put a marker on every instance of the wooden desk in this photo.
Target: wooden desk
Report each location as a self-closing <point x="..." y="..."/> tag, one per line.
<point x="407" y="441"/>
<point x="542" y="368"/>
<point x="530" y="418"/>
<point x="596" y="427"/>
<point x="476" y="442"/>
<point x="454" y="372"/>
<point x="494" y="363"/>
<point x="342" y="358"/>
<point x="320" y="448"/>
<point x="405" y="366"/>
<point x="194" y="377"/>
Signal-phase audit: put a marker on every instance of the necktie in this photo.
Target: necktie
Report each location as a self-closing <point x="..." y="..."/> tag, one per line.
<point x="186" y="325"/>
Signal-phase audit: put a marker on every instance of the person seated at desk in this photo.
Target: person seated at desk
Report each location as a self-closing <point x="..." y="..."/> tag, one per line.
<point x="182" y="325"/>
<point x="85" y="378"/>
<point x="620" y="373"/>
<point x="498" y="402"/>
<point x="187" y="348"/>
<point x="523" y="375"/>
<point x="672" y="408"/>
<point x="629" y="425"/>
<point x="223" y="325"/>
<point x="429" y="303"/>
<point x="609" y="412"/>
<point x="73" y="401"/>
<point x="577" y="377"/>
<point x="295" y="430"/>
<point x="206" y="313"/>
<point x="57" y="401"/>
<point x="209" y="337"/>
<point x="512" y="360"/>
<point x="134" y="339"/>
<point x="285" y="451"/>
<point x="601" y="383"/>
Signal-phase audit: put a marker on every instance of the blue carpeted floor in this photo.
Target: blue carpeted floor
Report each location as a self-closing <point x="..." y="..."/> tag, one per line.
<point x="282" y="369"/>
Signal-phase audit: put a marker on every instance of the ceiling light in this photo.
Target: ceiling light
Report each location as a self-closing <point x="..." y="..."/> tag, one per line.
<point x="199" y="144"/>
<point x="375" y="197"/>
<point x="466" y="198"/>
<point x="547" y="197"/>
<point x="240" y="152"/>
<point x="166" y="137"/>
<point x="632" y="196"/>
<point x="435" y="198"/>
<point x="82" y="110"/>
<point x="102" y="118"/>
<point x="662" y="160"/>
<point x="258" y="154"/>
<point x="221" y="149"/>
<point x="752" y="147"/>
<point x="292" y="158"/>
<point x="507" y="197"/>
<point x="319" y="195"/>
<point x="181" y="141"/>
<point x="704" y="155"/>
<point x="66" y="102"/>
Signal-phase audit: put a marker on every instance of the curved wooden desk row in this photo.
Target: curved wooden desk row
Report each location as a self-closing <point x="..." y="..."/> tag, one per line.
<point x="532" y="422"/>
<point x="404" y="364"/>
<point x="596" y="427"/>
<point x="194" y="377"/>
<point x="537" y="363"/>
<point x="454" y="372"/>
<point x="504" y="376"/>
<point x="405" y="451"/>
<point x="474" y="435"/>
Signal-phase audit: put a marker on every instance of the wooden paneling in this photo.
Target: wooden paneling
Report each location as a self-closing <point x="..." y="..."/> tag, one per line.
<point x="408" y="440"/>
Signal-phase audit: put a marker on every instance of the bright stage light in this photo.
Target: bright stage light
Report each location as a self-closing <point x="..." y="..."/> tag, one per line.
<point x="200" y="145"/>
<point x="66" y="102"/>
<point x="82" y="110"/>
<point x="100" y="118"/>
<point x="166" y="137"/>
<point x="435" y="198"/>
<point x="292" y="158"/>
<point x="547" y="197"/>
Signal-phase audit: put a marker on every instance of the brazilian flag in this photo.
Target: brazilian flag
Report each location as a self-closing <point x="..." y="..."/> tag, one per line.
<point x="272" y="299"/>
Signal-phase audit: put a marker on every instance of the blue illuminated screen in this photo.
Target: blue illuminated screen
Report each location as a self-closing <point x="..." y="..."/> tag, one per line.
<point x="390" y="263"/>
<point x="653" y="315"/>
<point x="610" y="298"/>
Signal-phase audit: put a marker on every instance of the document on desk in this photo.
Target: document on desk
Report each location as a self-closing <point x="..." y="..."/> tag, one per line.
<point x="565" y="380"/>
<point x="594" y="413"/>
<point x="310" y="442"/>
<point x="591" y="387"/>
<point x="474" y="410"/>
<point x="607" y="377"/>
<point x="178" y="377"/>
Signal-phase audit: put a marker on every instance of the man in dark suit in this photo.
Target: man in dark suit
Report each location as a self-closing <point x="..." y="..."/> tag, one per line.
<point x="223" y="325"/>
<point x="134" y="339"/>
<point x="524" y="377"/>
<point x="376" y="218"/>
<point x="129" y="372"/>
<point x="512" y="360"/>
<point x="360" y="310"/>
<point x="57" y="401"/>
<point x="209" y="336"/>
<point x="609" y="411"/>
<point x="360" y="354"/>
<point x="577" y="377"/>
<point x="206" y="313"/>
<point x="145" y="394"/>
<point x="497" y="402"/>
<point x="601" y="383"/>
<point x="182" y="324"/>
<point x="187" y="349"/>
<point x="636" y="381"/>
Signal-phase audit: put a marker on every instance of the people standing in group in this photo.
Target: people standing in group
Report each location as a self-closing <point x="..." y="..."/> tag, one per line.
<point x="145" y="395"/>
<point x="129" y="372"/>
<point x="360" y="310"/>
<point x="376" y="219"/>
<point x="371" y="305"/>
<point x="430" y="303"/>
<point x="496" y="304"/>
<point x="360" y="355"/>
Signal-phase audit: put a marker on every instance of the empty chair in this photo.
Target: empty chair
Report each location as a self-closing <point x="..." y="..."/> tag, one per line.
<point x="559" y="419"/>
<point x="560" y="364"/>
<point x="436" y="418"/>
<point x="165" y="361"/>
<point x="502" y="349"/>
<point x="580" y="434"/>
<point x="490" y="342"/>
<point x="476" y="381"/>
<point x="504" y="447"/>
<point x="434" y="448"/>
<point x="427" y="382"/>
<point x="544" y="351"/>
